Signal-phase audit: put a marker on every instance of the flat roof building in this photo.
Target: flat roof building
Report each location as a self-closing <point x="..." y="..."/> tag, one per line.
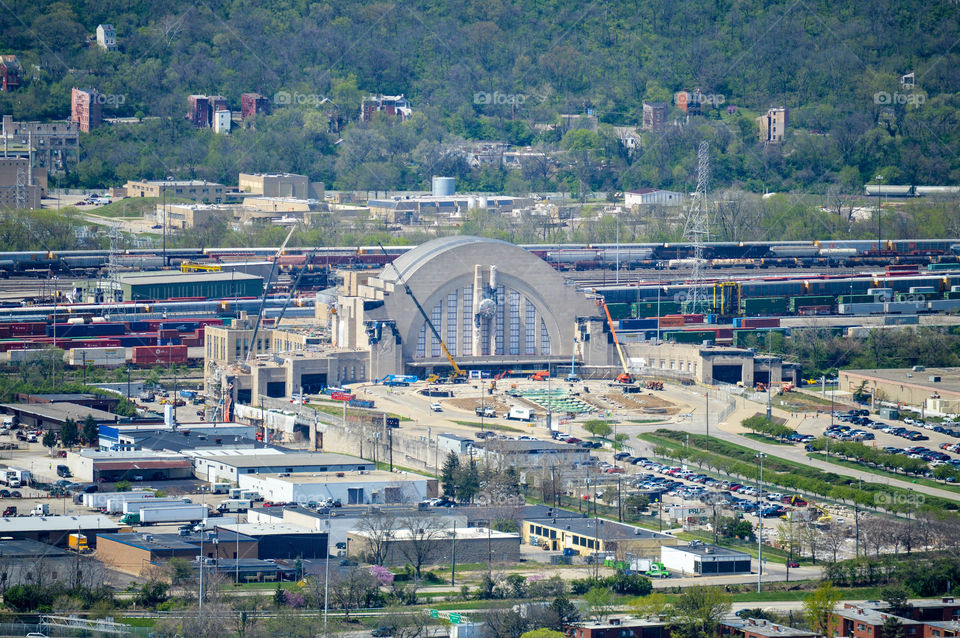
<point x="435" y="545"/>
<point x="617" y="627"/>
<point x="761" y="628"/>
<point x="55" y="529"/>
<point x="698" y="559"/>
<point x="362" y="487"/>
<point x="201" y="191"/>
<point x="525" y="453"/>
<point x="51" y="416"/>
<point x="933" y="389"/>
<point x="210" y="285"/>
<point x="282" y="540"/>
<point x="139" y="553"/>
<point x="231" y="468"/>
<point x="275" y="184"/>
<point x="592" y="535"/>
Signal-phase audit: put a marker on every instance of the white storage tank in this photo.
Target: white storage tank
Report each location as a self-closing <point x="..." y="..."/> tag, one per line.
<point x="443" y="186"/>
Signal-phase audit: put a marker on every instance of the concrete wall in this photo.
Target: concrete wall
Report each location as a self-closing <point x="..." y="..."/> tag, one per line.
<point x="471" y="550"/>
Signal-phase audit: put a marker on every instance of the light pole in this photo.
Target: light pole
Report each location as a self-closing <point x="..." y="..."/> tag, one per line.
<point x="326" y="576"/>
<point x="761" y="456"/>
<point x="618" y="246"/>
<point x="879" y="179"/>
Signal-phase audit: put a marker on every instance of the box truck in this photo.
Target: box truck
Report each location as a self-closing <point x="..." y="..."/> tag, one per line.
<point x="519" y="414"/>
<point x="78" y="542"/>
<point x="235" y="505"/>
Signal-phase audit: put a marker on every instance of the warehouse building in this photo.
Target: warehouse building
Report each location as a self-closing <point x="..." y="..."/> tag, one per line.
<point x="699" y="559"/>
<point x="29" y="562"/>
<point x="361" y="487"/>
<point x="282" y="540"/>
<point x="208" y="285"/>
<point x="50" y="416"/>
<point x="436" y="546"/>
<point x="589" y="536"/>
<point x="231" y="468"/>
<point x="197" y="190"/>
<point x="127" y="465"/>
<point x="140" y="554"/>
<point x="527" y="454"/>
<point x="936" y="390"/>
<point x="54" y="530"/>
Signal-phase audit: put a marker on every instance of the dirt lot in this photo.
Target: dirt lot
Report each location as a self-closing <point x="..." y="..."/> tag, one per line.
<point x="646" y="403"/>
<point x="472" y="403"/>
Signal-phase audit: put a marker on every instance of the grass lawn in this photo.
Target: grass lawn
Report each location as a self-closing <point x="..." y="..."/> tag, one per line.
<point x="336" y="409"/>
<point x="133" y="206"/>
<point x="765" y="439"/>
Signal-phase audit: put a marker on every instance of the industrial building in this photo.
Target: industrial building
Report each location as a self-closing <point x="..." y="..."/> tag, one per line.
<point x="282" y="540"/>
<point x="208" y="285"/>
<point x="140" y="554"/>
<point x="436" y="546"/>
<point x="275" y="184"/>
<point x="648" y="196"/>
<point x="54" y="530"/>
<point x="197" y="190"/>
<point x="51" y="416"/>
<point x="134" y="465"/>
<point x="593" y="535"/>
<point x="708" y="364"/>
<point x="528" y="454"/>
<point x="618" y="627"/>
<point x="232" y="468"/>
<point x="699" y="559"/>
<point x="934" y="390"/>
<point x="361" y="487"/>
<point x="409" y="210"/>
<point x="55" y="145"/>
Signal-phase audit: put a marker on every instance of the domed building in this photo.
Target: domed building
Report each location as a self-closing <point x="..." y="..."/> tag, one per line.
<point x="495" y="306"/>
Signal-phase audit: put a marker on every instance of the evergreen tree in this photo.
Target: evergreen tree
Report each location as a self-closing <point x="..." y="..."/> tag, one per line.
<point x="91" y="431"/>
<point x="448" y="475"/>
<point x="69" y="434"/>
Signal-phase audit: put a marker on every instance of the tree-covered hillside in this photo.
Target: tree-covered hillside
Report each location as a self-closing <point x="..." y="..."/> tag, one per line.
<point x="496" y="70"/>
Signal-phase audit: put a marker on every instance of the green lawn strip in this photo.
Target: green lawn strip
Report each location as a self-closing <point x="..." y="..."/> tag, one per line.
<point x="765" y="439"/>
<point x="919" y="480"/>
<point x="336" y="409"/>
<point x="135" y="621"/>
<point x="386" y="466"/>
<point x="486" y="425"/>
<point x="645" y="421"/>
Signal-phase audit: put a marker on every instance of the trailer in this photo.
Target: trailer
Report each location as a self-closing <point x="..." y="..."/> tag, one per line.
<point x="178" y="514"/>
<point x="519" y="414"/>
<point x="235" y="505"/>
<point x="124" y="506"/>
<point x="394" y="380"/>
<point x="100" y="500"/>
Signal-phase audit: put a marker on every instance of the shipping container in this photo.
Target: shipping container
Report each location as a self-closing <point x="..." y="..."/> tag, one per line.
<point x="764" y="306"/>
<point x="637" y="324"/>
<point x="689" y="336"/>
<point x="99" y="357"/>
<point x="796" y="303"/>
<point x="159" y="355"/>
<point x="618" y="310"/>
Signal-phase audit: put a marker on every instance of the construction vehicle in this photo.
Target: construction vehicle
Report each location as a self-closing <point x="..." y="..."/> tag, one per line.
<point x="624" y="378"/>
<point x="539" y="375"/>
<point x="761" y="387"/>
<point x="194" y="267"/>
<point x="486" y="412"/>
<point x="394" y="380"/>
<point x="654" y="385"/>
<point x="458" y="376"/>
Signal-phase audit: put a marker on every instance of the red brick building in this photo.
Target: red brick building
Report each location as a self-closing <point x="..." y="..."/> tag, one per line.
<point x="863" y="621"/>
<point x="618" y="627"/>
<point x="759" y="628"/>
<point x="253" y="104"/>
<point x="85" y="109"/>
<point x="390" y="105"/>
<point x="203" y="107"/>
<point x="11" y="72"/>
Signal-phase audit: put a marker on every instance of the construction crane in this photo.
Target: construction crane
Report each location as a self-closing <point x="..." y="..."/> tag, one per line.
<point x="263" y="300"/>
<point x="458" y="374"/>
<point x="624" y="377"/>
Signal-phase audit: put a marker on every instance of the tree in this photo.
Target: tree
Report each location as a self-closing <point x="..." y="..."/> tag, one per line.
<point x="698" y="612"/>
<point x="420" y="547"/>
<point x="178" y="570"/>
<point x="654" y="604"/>
<point x="565" y="610"/>
<point x="598" y="428"/>
<point x="542" y="633"/>
<point x="892" y="628"/>
<point x="819" y="605"/>
<point x="404" y="625"/>
<point x="152" y="593"/>
<point x="379" y="527"/>
<point x="599" y="601"/>
<point x="49" y="439"/>
<point x="91" y="431"/>
<point x="69" y="434"/>
<point x="448" y="475"/>
<point x="898" y="599"/>
<point x="354" y="589"/>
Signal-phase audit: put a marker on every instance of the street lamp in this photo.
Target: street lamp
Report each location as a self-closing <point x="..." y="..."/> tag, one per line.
<point x="761" y="456"/>
<point x="879" y="179"/>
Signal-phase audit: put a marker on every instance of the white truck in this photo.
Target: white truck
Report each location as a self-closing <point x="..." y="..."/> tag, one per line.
<point x="14" y="477"/>
<point x="220" y="488"/>
<point x="235" y="505"/>
<point x="519" y="414"/>
<point x="40" y="509"/>
<point x="182" y="514"/>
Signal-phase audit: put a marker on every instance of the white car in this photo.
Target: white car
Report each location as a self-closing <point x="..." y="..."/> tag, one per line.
<point x="436" y="407"/>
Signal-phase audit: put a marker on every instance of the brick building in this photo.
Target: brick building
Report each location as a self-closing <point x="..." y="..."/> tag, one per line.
<point x="617" y="627"/>
<point x="203" y="108"/>
<point x="391" y="105"/>
<point x="754" y="628"/>
<point x="55" y="144"/>
<point x="139" y="554"/>
<point x="11" y="72"/>
<point x="253" y="104"/>
<point x="654" y="116"/>
<point x="85" y="109"/>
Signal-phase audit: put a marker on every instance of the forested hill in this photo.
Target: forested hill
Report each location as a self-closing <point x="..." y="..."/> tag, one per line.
<point x="494" y="69"/>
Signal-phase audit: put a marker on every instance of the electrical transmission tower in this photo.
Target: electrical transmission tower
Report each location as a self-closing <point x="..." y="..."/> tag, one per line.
<point x="21" y="192"/>
<point x="696" y="229"/>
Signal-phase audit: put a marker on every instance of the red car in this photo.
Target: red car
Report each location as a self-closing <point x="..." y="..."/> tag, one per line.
<point x="614" y="470"/>
<point x="793" y="564"/>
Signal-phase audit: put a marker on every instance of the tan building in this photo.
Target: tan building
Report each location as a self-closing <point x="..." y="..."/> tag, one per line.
<point x="436" y="546"/>
<point x="589" y="536"/>
<point x="276" y="185"/>
<point x="197" y="190"/>
<point x="223" y="346"/>
<point x="291" y="340"/>
<point x="143" y="554"/>
<point x="186" y="216"/>
<point x="934" y="389"/>
<point x="772" y="126"/>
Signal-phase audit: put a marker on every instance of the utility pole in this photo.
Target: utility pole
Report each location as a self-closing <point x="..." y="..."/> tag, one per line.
<point x="453" y="551"/>
<point x="707" y="417"/>
<point x="761" y="456"/>
<point x="326" y="577"/>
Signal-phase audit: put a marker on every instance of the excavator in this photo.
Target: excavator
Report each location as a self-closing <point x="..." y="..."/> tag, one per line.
<point x="624" y="378"/>
<point x="458" y="376"/>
